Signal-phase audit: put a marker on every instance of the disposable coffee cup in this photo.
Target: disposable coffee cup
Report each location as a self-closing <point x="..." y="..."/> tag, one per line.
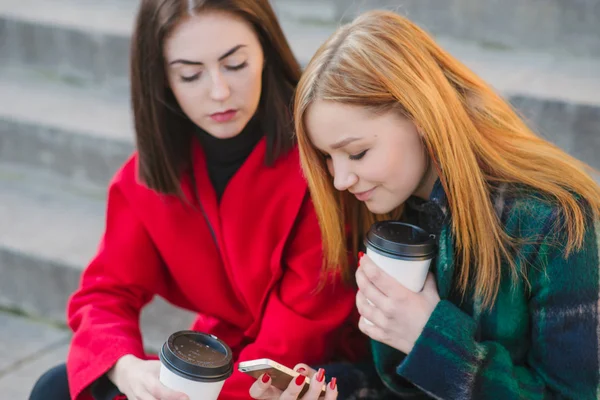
<point x="403" y="251"/>
<point x="196" y="364"/>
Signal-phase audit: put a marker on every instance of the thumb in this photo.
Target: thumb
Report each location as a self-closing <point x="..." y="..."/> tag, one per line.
<point x="162" y="392"/>
<point x="430" y="283"/>
<point x="430" y="290"/>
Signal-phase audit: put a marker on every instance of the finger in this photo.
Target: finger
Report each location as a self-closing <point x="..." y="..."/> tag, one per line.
<point x="384" y="282"/>
<point x="332" y="391"/>
<point x="370" y="329"/>
<point x="370" y="312"/>
<point x="144" y="396"/>
<point x="304" y="370"/>
<point x="262" y="389"/>
<point x="316" y="386"/>
<point x="160" y="391"/>
<point x="294" y="388"/>
<point x="379" y="335"/>
<point x="374" y="295"/>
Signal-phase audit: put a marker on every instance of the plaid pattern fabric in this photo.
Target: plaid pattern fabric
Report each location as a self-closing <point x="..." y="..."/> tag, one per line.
<point x="538" y="341"/>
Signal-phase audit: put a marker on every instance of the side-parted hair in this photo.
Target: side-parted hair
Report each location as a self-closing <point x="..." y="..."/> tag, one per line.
<point x="163" y="132"/>
<point x="474" y="138"/>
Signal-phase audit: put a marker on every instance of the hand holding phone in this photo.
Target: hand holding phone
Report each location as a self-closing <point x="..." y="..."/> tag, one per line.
<point x="280" y="375"/>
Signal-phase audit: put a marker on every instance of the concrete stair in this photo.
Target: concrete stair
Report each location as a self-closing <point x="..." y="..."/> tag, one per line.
<point x="65" y="128"/>
<point x="568" y="27"/>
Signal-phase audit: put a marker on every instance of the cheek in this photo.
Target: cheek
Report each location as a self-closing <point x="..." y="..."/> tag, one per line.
<point x="188" y="96"/>
<point x="248" y="84"/>
<point x="329" y="163"/>
<point x="406" y="168"/>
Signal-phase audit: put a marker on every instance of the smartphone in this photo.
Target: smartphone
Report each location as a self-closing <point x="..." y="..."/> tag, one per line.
<point x="281" y="376"/>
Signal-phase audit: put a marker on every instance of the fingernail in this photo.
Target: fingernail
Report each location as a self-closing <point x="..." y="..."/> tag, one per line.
<point x="300" y="380"/>
<point x="333" y="383"/>
<point x="301" y="370"/>
<point x="320" y="375"/>
<point x="360" y="255"/>
<point x="266" y="378"/>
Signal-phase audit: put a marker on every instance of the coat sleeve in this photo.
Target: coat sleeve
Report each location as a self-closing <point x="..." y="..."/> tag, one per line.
<point x="563" y="357"/>
<point x="104" y="312"/>
<point x="300" y="324"/>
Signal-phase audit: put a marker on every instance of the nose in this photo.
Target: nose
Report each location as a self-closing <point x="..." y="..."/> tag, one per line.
<point x="219" y="90"/>
<point x="343" y="177"/>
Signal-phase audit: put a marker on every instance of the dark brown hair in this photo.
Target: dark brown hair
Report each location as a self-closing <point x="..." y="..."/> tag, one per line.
<point x="163" y="131"/>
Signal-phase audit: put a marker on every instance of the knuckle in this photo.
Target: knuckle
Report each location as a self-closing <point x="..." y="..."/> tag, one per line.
<point x="372" y="271"/>
<point x="388" y="308"/>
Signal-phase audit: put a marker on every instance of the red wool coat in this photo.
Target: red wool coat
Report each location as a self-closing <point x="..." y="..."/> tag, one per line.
<point x="250" y="272"/>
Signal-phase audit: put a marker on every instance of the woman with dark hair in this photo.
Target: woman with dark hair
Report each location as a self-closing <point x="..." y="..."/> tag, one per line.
<point x="211" y="212"/>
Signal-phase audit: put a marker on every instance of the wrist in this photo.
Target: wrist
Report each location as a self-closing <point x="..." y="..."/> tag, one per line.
<point x="117" y="371"/>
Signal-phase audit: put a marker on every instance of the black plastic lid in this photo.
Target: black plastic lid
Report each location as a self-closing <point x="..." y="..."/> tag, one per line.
<point x="400" y="240"/>
<point x="197" y="356"/>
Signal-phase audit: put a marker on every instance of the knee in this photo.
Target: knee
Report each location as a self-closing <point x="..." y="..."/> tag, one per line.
<point x="52" y="385"/>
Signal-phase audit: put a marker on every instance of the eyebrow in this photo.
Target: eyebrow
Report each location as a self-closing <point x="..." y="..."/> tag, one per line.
<point x="343" y="143"/>
<point x="224" y="56"/>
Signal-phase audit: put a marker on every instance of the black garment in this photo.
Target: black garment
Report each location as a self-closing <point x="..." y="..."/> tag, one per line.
<point x="225" y="156"/>
<point x="428" y="214"/>
<point x="54" y="385"/>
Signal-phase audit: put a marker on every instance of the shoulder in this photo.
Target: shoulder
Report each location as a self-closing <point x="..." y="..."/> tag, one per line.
<point x="126" y="178"/>
<point x="527" y="213"/>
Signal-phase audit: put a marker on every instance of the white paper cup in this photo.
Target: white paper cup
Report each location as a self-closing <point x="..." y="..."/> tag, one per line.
<point x="403" y="251"/>
<point x="196" y="364"/>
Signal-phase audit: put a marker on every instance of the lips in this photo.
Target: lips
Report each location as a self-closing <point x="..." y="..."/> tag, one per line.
<point x="364" y="196"/>
<point x="224" y="116"/>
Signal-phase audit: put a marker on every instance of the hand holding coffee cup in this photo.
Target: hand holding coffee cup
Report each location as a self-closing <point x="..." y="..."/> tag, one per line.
<point x="196" y="364"/>
<point x="396" y="294"/>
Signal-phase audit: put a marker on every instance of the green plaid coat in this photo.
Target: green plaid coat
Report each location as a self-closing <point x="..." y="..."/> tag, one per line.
<point x="539" y="341"/>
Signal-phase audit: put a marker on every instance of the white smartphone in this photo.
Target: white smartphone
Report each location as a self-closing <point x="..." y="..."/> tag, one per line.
<point x="281" y="376"/>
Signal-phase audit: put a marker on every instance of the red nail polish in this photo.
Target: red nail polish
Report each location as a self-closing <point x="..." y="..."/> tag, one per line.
<point x="301" y="370"/>
<point x="333" y="383"/>
<point x="360" y="255"/>
<point x="320" y="375"/>
<point x="266" y="378"/>
<point x="300" y="380"/>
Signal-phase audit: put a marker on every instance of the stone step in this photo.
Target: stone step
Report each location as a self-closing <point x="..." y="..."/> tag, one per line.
<point x="28" y="348"/>
<point x="50" y="231"/>
<point x="78" y="132"/>
<point x="569" y="27"/>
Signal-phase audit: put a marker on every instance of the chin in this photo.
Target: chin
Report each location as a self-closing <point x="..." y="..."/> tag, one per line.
<point x="378" y="208"/>
<point x="382" y="206"/>
<point x="224" y="131"/>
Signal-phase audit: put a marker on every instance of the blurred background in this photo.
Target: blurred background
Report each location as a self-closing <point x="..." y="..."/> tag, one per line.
<point x="65" y="128"/>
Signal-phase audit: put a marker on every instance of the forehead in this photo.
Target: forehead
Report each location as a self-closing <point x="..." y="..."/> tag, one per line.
<point x="328" y="121"/>
<point x="207" y="35"/>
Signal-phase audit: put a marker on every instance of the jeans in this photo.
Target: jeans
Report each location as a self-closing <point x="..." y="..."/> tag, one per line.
<point x="54" y="385"/>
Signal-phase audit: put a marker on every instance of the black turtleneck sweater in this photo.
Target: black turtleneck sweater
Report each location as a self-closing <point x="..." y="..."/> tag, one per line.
<point x="225" y="156"/>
